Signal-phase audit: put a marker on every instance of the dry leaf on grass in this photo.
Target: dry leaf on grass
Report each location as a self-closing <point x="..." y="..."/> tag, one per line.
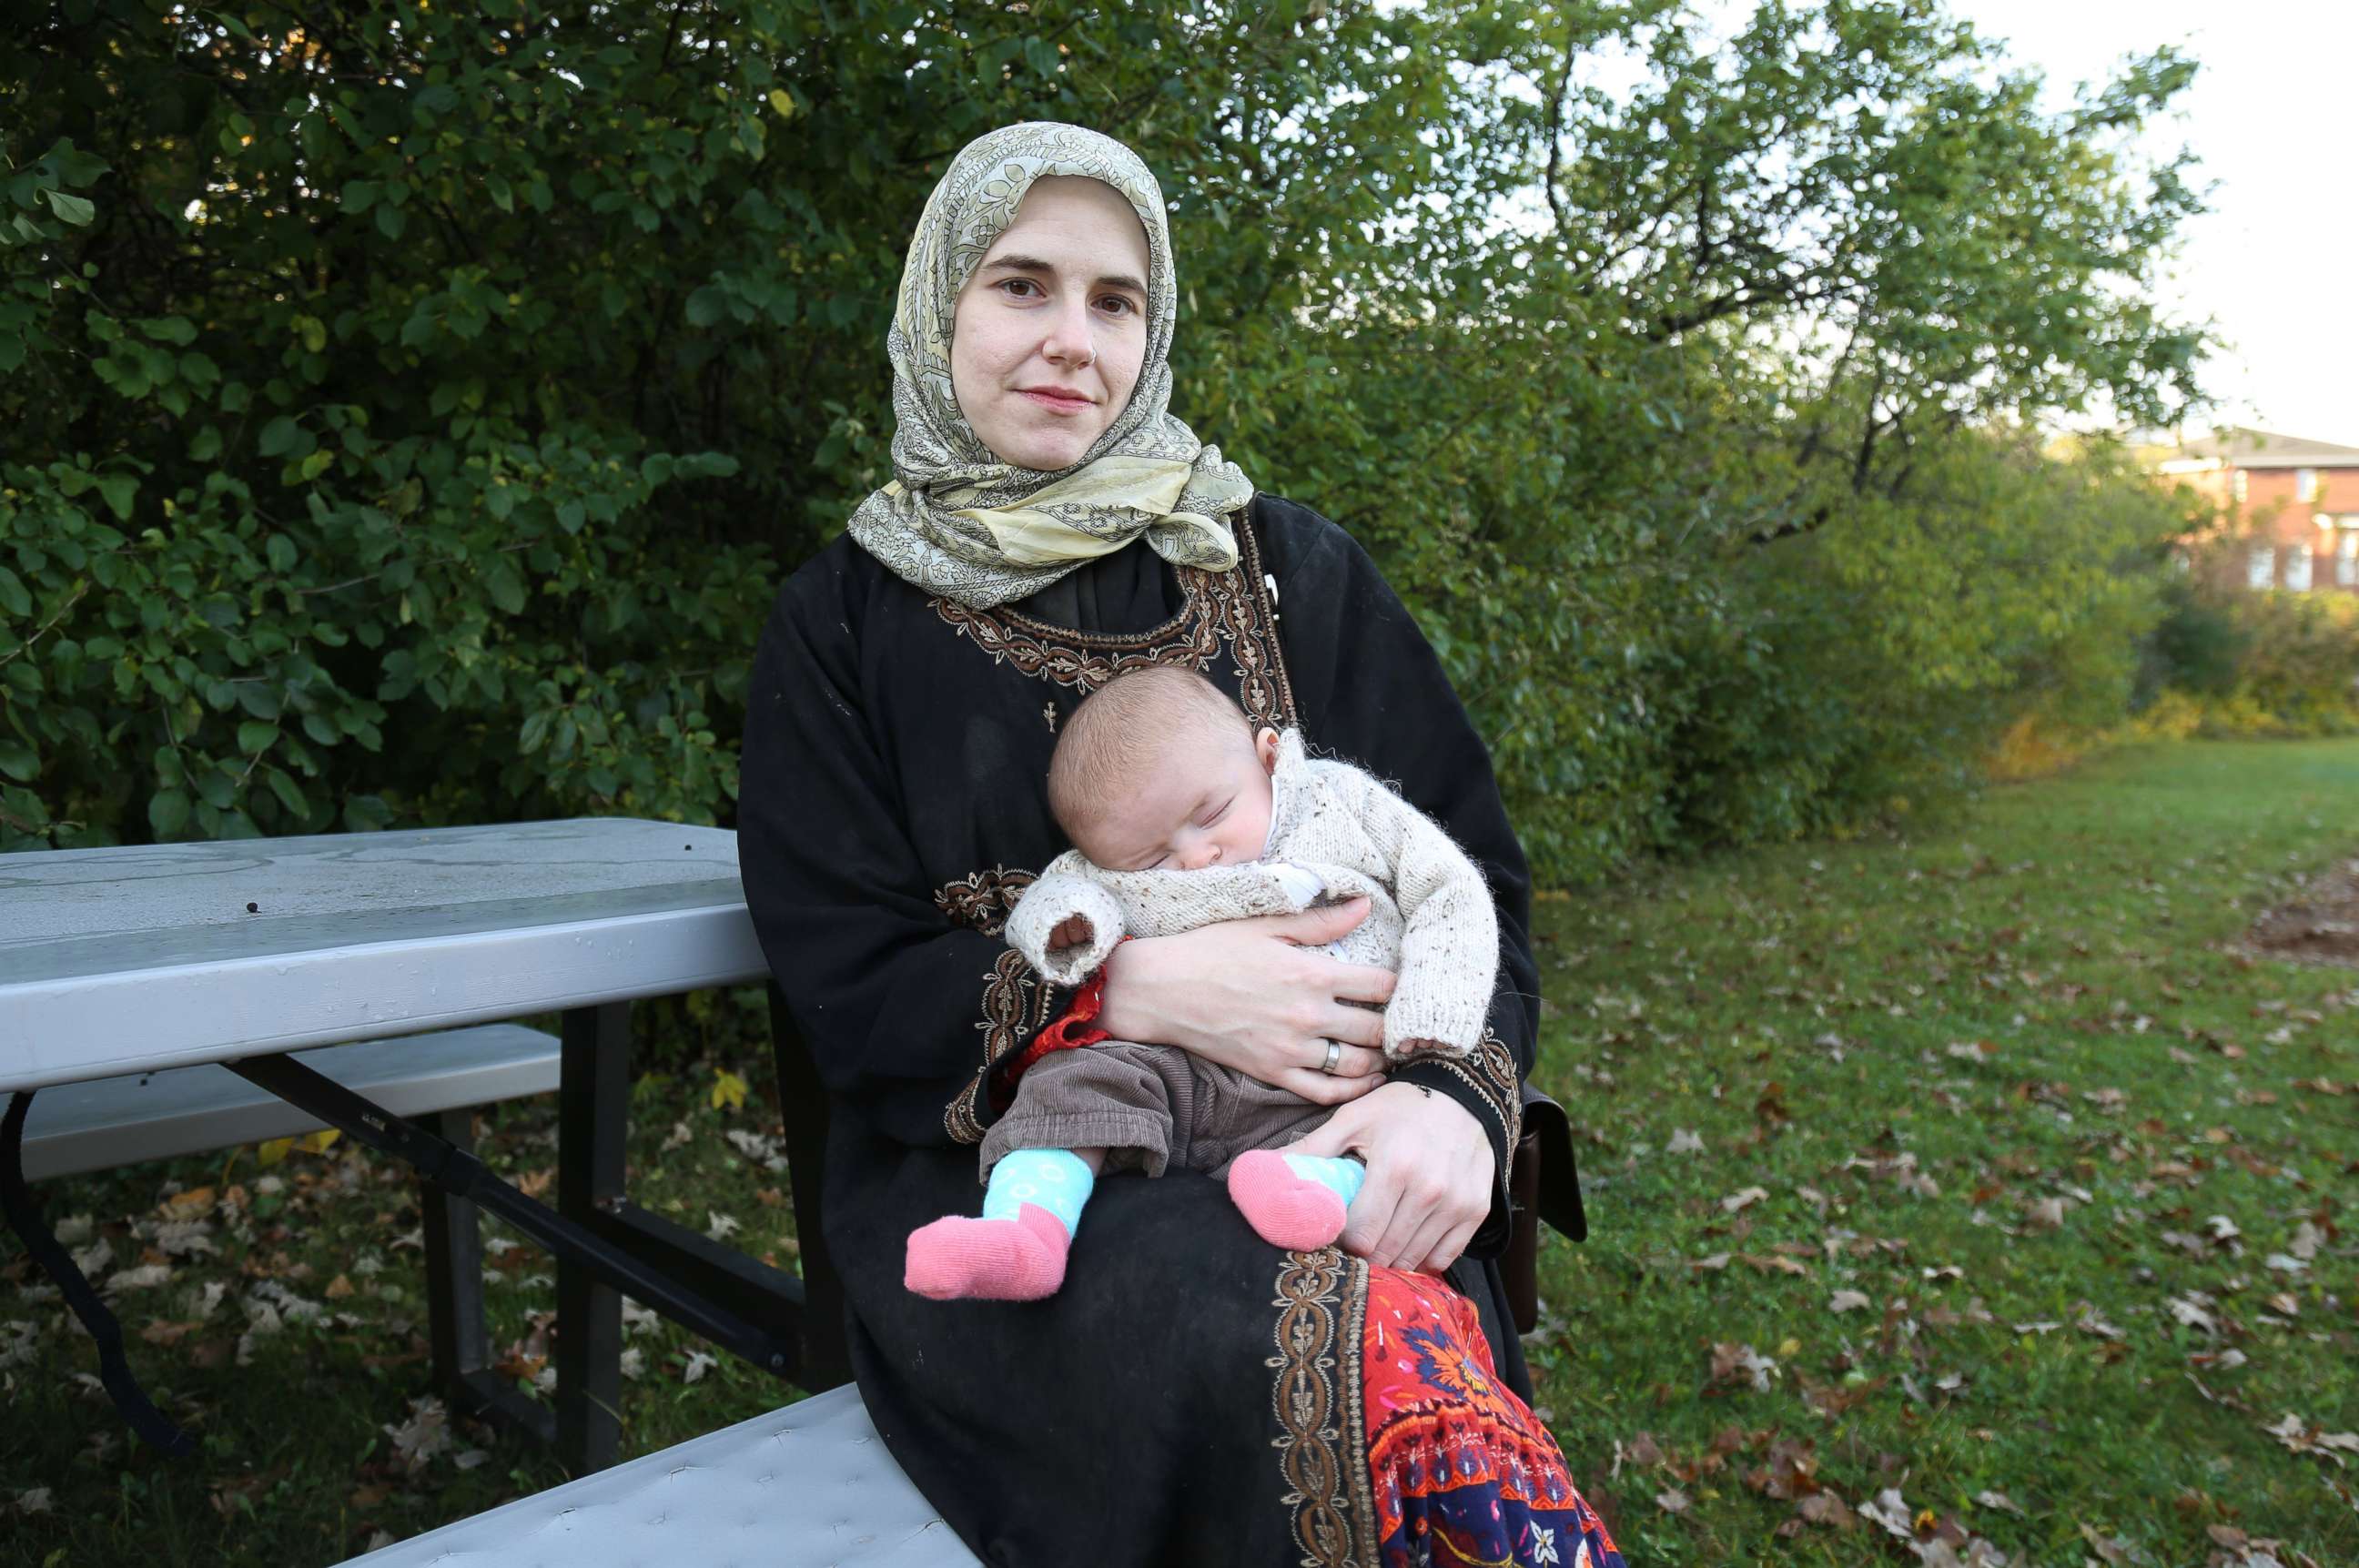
<point x="1848" y="1302"/>
<point x="1745" y="1198"/>
<point x="426" y="1433"/>
<point x="1671" y="1501"/>
<point x="1742" y="1364"/>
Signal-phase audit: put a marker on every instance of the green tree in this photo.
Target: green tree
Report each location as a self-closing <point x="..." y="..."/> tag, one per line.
<point x="412" y="408"/>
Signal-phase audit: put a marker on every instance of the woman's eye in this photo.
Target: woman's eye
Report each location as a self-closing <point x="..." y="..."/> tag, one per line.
<point x="1122" y="300"/>
<point x="1017" y="283"/>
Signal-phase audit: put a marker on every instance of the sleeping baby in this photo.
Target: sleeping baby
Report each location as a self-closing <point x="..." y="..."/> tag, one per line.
<point x="1183" y="813"/>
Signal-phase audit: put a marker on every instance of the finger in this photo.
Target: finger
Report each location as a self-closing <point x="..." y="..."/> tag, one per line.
<point x="1371" y="1215"/>
<point x="1355" y="1027"/>
<point x="1360" y="983"/>
<point x="1325" y="1088"/>
<point x="1454" y="1247"/>
<point x="1351" y="1060"/>
<point x="1410" y="1212"/>
<point x="1334" y="1136"/>
<point x="1317" y="927"/>
<point x="1426" y="1239"/>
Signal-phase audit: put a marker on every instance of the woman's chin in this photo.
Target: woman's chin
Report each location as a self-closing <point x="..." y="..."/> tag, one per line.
<point x="1047" y="451"/>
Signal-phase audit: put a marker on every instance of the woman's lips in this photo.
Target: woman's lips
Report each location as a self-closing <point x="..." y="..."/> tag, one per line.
<point x="1063" y="403"/>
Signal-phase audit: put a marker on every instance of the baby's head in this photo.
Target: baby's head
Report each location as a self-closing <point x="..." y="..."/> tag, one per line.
<point x="1159" y="769"/>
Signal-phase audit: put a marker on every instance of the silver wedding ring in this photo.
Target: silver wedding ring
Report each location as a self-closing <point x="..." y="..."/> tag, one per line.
<point x="1335" y="1056"/>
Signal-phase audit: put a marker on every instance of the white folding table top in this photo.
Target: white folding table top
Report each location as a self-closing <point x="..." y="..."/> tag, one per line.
<point x="127" y="960"/>
<point x="807" y="1486"/>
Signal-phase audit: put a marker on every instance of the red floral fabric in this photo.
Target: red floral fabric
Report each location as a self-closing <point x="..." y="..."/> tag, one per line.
<point x="1463" y="1471"/>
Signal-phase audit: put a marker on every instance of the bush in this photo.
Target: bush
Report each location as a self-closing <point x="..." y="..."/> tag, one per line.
<point x="2228" y="661"/>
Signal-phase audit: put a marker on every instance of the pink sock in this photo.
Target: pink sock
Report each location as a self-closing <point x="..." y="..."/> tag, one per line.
<point x="1284" y="1209"/>
<point x="1022" y="1260"/>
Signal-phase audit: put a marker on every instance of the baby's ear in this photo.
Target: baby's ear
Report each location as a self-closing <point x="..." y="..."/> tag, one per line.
<point x="1265" y="748"/>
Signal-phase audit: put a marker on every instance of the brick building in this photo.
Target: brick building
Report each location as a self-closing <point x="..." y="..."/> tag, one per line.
<point x="2292" y="504"/>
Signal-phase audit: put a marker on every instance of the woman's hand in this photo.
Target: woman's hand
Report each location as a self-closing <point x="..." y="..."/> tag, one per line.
<point x="1431" y="1174"/>
<point x="1245" y="994"/>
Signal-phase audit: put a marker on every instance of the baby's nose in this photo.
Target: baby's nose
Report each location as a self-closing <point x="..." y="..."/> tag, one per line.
<point x="1200" y="855"/>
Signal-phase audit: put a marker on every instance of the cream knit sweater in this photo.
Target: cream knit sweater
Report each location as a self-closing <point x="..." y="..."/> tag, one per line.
<point x="1430" y="915"/>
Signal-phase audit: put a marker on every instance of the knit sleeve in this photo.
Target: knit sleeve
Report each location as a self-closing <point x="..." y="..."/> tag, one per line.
<point x="1062" y="894"/>
<point x="1450" y="941"/>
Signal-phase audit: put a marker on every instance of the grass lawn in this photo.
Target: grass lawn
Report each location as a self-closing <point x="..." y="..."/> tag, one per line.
<point x="1978" y="1170"/>
<point x="1962" y="1188"/>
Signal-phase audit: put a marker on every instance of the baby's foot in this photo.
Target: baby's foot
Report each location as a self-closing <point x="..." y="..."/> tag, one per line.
<point x="1022" y="1260"/>
<point x="1285" y="1209"/>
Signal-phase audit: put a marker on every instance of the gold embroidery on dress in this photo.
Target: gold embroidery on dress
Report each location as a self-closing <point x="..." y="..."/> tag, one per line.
<point x="982" y="899"/>
<point x="1319" y="1294"/>
<point x="1015" y="1004"/>
<point x="1235" y="607"/>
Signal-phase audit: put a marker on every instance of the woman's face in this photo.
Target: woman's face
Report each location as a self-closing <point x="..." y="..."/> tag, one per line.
<point x="1051" y="330"/>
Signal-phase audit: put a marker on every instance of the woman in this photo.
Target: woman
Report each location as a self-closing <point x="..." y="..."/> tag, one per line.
<point x="1192" y="1395"/>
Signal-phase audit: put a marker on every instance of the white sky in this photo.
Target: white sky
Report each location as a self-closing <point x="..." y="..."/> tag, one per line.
<point x="2273" y="117"/>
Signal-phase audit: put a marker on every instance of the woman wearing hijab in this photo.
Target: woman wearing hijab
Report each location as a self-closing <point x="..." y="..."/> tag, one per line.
<point x="1192" y="1395"/>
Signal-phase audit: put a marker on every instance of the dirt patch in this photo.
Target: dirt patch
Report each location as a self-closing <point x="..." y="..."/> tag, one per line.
<point x="2320" y="926"/>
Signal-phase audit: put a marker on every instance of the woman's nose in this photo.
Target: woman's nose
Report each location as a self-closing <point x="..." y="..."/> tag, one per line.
<point x="1071" y="337"/>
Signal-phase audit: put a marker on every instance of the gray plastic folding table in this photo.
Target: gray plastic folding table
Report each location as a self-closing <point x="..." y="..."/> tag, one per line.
<point x="125" y="960"/>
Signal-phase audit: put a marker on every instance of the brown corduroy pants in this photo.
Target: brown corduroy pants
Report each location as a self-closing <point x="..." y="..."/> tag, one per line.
<point x="1150" y="1106"/>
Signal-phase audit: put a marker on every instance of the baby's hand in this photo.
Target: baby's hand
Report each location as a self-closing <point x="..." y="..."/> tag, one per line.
<point x="1072" y="931"/>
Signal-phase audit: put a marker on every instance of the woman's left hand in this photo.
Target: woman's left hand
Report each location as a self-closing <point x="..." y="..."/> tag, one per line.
<point x="1431" y="1174"/>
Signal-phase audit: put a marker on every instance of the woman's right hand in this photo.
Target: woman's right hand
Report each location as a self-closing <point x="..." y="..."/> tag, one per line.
<point x="1246" y="994"/>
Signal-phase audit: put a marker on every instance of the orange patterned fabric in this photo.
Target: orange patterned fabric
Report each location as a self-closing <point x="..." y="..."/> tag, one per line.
<point x="1462" y="1472"/>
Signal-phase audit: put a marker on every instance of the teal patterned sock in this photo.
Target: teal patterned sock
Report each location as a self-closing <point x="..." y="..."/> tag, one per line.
<point x="1341" y="1175"/>
<point x="1056" y="1179"/>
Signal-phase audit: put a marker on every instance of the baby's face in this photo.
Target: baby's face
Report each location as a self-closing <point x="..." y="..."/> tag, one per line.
<point x="1197" y="803"/>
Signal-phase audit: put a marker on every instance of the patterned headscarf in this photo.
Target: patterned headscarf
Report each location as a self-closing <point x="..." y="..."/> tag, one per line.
<point x="960" y="522"/>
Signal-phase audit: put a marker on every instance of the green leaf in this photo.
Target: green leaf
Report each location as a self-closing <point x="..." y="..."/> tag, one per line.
<point x="706" y="306"/>
<point x="316" y="464"/>
<point x="168" y="812"/>
<point x="13" y="597"/>
<point x="290" y="794"/>
<point x="119" y="490"/>
<point x="360" y="195"/>
<point x="72" y="209"/>
<point x="281" y="552"/>
<point x="391" y="220"/>
<point x="506" y="589"/>
<point x="279" y="436"/>
<point x="205" y="445"/>
<point x="17" y="760"/>
<point x="254" y="737"/>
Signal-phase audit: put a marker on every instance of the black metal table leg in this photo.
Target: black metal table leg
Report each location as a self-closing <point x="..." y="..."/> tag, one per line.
<point x="454" y="1264"/>
<point x="592" y="1118"/>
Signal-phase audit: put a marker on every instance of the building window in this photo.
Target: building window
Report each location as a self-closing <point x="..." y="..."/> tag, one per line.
<point x="2347" y="555"/>
<point x="2238" y="486"/>
<point x="2297" y="568"/>
<point x="2305" y="484"/>
<point x="2261" y="567"/>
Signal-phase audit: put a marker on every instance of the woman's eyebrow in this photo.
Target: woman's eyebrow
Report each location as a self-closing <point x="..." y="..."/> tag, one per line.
<point x="1034" y="264"/>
